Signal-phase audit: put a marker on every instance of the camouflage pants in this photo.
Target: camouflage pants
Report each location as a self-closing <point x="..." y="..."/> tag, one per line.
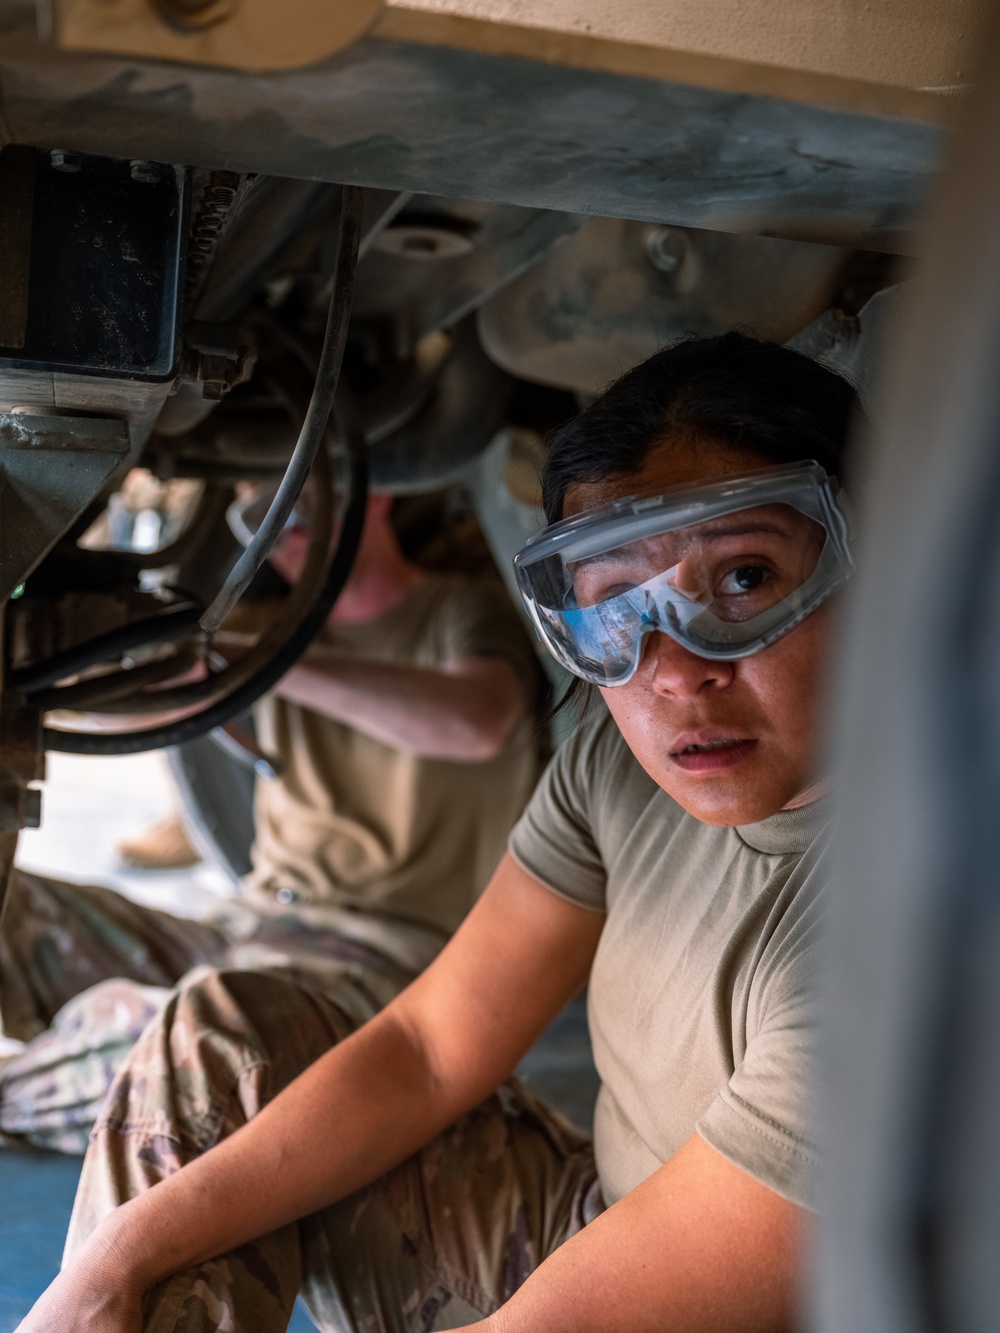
<point x="440" y="1241"/>
<point x="83" y="970"/>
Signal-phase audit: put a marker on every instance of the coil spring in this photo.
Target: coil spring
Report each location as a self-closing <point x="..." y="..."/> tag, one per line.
<point x="216" y="201"/>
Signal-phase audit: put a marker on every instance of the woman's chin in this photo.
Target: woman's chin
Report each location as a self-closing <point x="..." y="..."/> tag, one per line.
<point x="725" y="797"/>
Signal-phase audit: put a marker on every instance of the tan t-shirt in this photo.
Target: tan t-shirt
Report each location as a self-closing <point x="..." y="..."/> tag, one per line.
<point x="701" y="994"/>
<point x="357" y="823"/>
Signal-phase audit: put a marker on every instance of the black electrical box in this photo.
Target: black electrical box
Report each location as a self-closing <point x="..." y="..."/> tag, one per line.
<point x="91" y="264"/>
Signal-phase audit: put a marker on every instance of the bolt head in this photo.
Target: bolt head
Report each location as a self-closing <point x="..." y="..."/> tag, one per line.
<point x="67" y="162"/>
<point x="145" y="173"/>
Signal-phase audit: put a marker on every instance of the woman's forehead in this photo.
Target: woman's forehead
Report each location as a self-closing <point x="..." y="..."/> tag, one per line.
<point x="687" y="462"/>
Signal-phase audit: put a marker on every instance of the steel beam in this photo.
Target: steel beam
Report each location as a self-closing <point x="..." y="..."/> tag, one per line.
<point x="408" y="115"/>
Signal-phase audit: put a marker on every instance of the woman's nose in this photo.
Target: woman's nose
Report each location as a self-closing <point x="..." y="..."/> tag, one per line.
<point x="677" y="670"/>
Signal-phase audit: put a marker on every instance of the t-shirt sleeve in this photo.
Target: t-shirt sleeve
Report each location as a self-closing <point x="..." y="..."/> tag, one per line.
<point x="764" y="1119"/>
<point x="555" y="839"/>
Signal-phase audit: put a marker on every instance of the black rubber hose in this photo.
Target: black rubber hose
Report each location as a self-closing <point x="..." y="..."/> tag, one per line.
<point x="239" y="699"/>
<point x="99" y="694"/>
<point x="173" y="623"/>
<point x="315" y="423"/>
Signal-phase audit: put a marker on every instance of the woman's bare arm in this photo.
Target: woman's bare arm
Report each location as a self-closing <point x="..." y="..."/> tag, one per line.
<point x="462" y="710"/>
<point x="442" y="1046"/>
<point x="699" y="1247"/>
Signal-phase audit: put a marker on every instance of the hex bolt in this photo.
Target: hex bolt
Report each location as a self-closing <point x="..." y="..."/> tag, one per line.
<point x="69" y="162"/>
<point x="146" y="173"/>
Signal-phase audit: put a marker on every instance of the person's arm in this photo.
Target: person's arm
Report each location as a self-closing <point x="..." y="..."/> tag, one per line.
<point x="463" y="710"/>
<point x="698" y="1247"/>
<point x="434" y="1053"/>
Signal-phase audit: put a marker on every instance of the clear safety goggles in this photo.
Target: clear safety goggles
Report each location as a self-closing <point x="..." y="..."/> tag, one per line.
<point x="724" y="569"/>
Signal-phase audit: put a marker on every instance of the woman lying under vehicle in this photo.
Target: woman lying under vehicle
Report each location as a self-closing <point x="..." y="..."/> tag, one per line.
<point x="672" y="856"/>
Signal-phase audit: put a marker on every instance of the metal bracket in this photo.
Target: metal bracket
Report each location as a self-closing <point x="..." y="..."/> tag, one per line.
<point x="234" y="34"/>
<point x="217" y="358"/>
<point x="51" y="467"/>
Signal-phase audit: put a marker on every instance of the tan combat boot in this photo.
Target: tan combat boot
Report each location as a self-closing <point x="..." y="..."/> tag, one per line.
<point x="163" y="846"/>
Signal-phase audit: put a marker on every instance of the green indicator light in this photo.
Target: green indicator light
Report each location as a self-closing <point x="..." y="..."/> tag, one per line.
<point x="18" y="592"/>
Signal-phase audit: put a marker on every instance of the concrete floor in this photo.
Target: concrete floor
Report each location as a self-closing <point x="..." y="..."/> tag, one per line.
<point x="88" y="806"/>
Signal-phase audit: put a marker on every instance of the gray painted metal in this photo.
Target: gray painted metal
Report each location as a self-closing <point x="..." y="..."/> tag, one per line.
<point x="52" y="467"/>
<point x="402" y="116"/>
<point x="911" y="1232"/>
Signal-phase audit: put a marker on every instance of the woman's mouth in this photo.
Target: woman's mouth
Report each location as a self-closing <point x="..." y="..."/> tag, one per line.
<point x="712" y="756"/>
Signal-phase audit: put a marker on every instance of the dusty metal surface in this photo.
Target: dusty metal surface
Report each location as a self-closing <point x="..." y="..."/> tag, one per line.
<point x="887" y="58"/>
<point x="52" y="467"/>
<point x="609" y="296"/>
<point x="402" y="115"/>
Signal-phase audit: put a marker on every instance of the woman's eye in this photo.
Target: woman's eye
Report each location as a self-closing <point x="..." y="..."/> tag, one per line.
<point x="744" y="578"/>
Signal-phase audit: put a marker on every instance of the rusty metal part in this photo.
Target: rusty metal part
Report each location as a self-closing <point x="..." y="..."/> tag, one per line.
<point x="217" y="358"/>
<point x="51" y="467"/>
<point x="241" y="34"/>
<point x="213" y="196"/>
<point x="616" y="291"/>
<point x="468" y="123"/>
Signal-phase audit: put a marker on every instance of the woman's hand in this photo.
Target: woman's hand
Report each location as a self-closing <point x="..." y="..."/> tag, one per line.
<point x="85" y="1303"/>
<point x="96" y="1293"/>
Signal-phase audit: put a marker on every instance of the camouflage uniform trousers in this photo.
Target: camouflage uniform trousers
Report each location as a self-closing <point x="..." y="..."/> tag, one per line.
<point x="83" y="970"/>
<point x="440" y="1241"/>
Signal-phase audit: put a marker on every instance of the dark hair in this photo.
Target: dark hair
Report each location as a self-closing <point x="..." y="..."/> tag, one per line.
<point x="734" y="390"/>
